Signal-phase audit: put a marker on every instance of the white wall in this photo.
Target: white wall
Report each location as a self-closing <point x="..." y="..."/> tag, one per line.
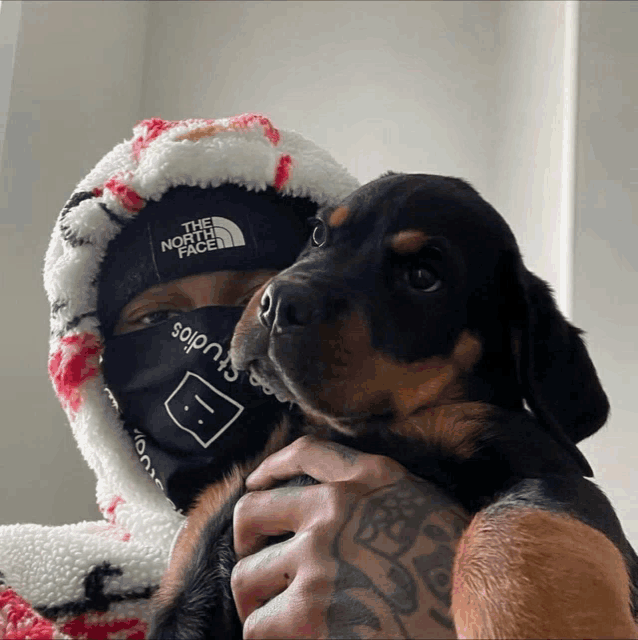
<point x="402" y="85"/>
<point x="471" y="89"/>
<point x="10" y="14"/>
<point x="535" y="117"/>
<point x="76" y="90"/>
<point x="441" y="87"/>
<point x="606" y="239"/>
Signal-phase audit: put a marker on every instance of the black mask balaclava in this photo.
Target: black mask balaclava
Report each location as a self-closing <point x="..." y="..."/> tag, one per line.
<point x="178" y="198"/>
<point x="189" y="413"/>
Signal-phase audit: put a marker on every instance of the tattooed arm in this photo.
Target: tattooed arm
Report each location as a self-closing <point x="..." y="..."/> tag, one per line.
<point x="371" y="556"/>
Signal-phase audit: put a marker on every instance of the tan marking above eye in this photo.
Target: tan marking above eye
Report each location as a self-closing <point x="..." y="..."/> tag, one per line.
<point x="408" y="241"/>
<point x="338" y="217"/>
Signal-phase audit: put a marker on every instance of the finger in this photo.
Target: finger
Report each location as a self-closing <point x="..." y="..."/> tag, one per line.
<point x="258" y="515"/>
<point x="325" y="461"/>
<point x="257" y="579"/>
<point x="322" y="460"/>
<point x="297" y="612"/>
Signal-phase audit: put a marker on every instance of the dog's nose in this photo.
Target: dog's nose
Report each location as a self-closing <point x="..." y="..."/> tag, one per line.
<point x="285" y="305"/>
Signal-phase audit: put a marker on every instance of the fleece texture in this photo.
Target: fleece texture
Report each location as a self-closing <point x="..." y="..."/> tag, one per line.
<point x="94" y="579"/>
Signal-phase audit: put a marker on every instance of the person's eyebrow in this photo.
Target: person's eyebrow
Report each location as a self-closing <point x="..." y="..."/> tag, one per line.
<point x="164" y="292"/>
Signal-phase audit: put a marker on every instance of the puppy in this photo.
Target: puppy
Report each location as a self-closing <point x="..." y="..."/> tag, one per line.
<point x="409" y="327"/>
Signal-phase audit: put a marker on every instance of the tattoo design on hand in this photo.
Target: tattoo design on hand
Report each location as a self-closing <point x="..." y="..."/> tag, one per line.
<point x="390" y="522"/>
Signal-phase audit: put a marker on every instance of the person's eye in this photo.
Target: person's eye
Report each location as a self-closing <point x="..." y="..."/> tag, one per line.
<point x="154" y="317"/>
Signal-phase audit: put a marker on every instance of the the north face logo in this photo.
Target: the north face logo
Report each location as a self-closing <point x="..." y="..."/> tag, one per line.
<point x="200" y="409"/>
<point x="205" y="234"/>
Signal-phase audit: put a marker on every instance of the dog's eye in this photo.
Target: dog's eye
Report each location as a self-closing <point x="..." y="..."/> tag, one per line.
<point x="319" y="233"/>
<point x="422" y="279"/>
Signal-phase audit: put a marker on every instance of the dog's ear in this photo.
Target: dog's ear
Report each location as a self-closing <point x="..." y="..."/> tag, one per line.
<point x="557" y="376"/>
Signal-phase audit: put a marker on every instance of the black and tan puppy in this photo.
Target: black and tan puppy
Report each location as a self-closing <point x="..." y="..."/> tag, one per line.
<point x="409" y="327"/>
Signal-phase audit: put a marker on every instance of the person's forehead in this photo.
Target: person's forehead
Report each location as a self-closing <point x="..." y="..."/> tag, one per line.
<point x="212" y="278"/>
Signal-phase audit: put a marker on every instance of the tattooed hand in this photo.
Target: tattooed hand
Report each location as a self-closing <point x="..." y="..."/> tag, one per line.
<point x="371" y="556"/>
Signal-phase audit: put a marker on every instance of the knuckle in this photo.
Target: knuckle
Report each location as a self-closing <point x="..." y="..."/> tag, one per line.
<point x="383" y="466"/>
<point x="303" y="443"/>
<point x="331" y="491"/>
<point x="385" y="461"/>
<point x="304" y="539"/>
<point x="263" y="623"/>
<point x="333" y="500"/>
<point x="314" y="584"/>
<point x="251" y="627"/>
<point x="245" y="505"/>
<point x="314" y="543"/>
<point x="237" y="577"/>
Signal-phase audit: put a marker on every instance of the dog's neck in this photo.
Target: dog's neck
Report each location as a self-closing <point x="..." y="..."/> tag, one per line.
<point x="455" y="426"/>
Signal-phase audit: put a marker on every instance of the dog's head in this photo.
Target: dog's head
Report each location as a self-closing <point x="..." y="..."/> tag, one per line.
<point x="410" y="295"/>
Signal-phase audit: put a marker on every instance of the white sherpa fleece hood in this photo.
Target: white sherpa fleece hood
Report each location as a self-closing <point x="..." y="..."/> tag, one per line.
<point x="246" y="150"/>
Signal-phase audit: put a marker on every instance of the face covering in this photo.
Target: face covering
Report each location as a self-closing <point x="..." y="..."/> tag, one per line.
<point x="189" y="413"/>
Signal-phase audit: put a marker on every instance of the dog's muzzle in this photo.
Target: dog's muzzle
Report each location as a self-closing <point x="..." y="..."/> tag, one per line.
<point x="289" y="339"/>
<point x="286" y="307"/>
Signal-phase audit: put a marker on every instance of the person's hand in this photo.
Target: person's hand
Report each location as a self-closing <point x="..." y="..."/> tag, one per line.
<point x="371" y="556"/>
